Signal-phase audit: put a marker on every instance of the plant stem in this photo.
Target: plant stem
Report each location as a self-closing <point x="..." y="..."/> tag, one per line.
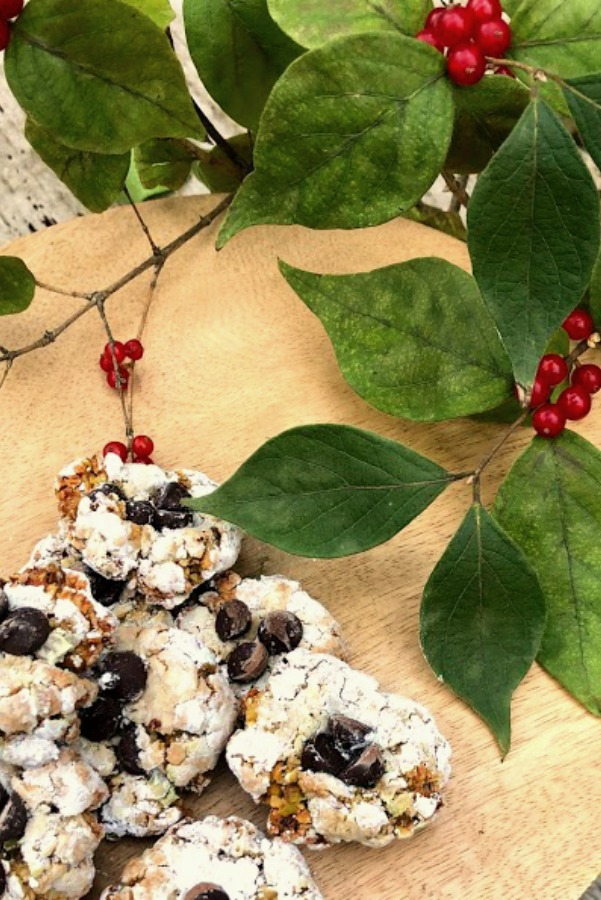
<point x="98" y="297"/>
<point x="129" y="429"/>
<point x="476" y="475"/>
<point x="80" y="295"/>
<point x="153" y="246"/>
<point x="220" y="141"/>
<point x="457" y="189"/>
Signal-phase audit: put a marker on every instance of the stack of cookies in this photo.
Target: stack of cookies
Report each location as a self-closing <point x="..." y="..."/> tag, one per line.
<point x="132" y="657"/>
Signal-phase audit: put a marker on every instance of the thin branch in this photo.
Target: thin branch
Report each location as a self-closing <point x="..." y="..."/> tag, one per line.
<point x="9" y="365"/>
<point x="151" y="292"/>
<point x="79" y="295"/>
<point x="456" y="204"/>
<point x="129" y="430"/>
<point x="455" y="187"/>
<point x="220" y="141"/>
<point x="476" y="476"/>
<point x="153" y="246"/>
<point x="99" y="297"/>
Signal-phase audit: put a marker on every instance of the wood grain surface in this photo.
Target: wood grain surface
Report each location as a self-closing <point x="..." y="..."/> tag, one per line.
<point x="232" y="358"/>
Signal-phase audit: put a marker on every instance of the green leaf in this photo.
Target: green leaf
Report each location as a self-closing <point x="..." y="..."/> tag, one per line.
<point x="584" y="99"/>
<point x="218" y="172"/>
<point x="550" y="503"/>
<point x="239" y="53"/>
<point x="447" y="221"/>
<point x="595" y="293"/>
<point x="163" y="163"/>
<point x="313" y="22"/>
<point x="482" y="619"/>
<point x="160" y="11"/>
<point x="350" y="136"/>
<point x="99" y="74"/>
<point x="533" y="234"/>
<point x="327" y="491"/>
<point x="17" y="285"/>
<point x="485" y="115"/>
<point x="562" y="36"/>
<point x="414" y="340"/>
<point x="95" y="179"/>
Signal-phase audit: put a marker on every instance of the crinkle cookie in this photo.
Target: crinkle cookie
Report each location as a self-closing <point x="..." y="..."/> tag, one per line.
<point x="128" y="523"/>
<point x="78" y="628"/>
<point x="216" y="859"/>
<point x="39" y="708"/>
<point x="68" y="784"/>
<point x="335" y="758"/>
<point x="140" y="805"/>
<point x="249" y="622"/>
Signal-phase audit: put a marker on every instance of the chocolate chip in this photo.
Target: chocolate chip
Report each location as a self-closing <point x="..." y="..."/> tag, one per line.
<point x="24" y="631"/>
<point x="105" y="590"/>
<point x="233" y="620"/>
<point x="206" y="891"/>
<point x="280" y="632"/>
<point x="349" y="735"/>
<point x="247" y="662"/>
<point x="4" y="795"/>
<point x="366" y="770"/>
<point x="100" y="722"/>
<point x="320" y="755"/>
<point x="3" y="605"/>
<point x="122" y="675"/>
<point x="141" y="512"/>
<point x="13" y="819"/>
<point x="2" y="880"/>
<point x="128" y="752"/>
<point x="108" y="489"/>
<point x="170" y="496"/>
<point x="172" y="518"/>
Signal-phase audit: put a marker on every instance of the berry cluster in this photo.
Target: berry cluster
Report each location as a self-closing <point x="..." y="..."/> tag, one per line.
<point x="468" y="34"/>
<point x="141" y="448"/>
<point x="574" y="402"/>
<point x="132" y="350"/>
<point x="9" y="9"/>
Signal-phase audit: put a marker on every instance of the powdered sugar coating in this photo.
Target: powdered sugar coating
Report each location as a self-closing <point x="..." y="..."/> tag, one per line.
<point x="269" y="593"/>
<point x="140" y="806"/>
<point x="231" y="853"/>
<point x="80" y="627"/>
<point x="68" y="784"/>
<point x="304" y="691"/>
<point x="166" y="565"/>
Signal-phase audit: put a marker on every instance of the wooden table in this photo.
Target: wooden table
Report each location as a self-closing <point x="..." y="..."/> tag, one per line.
<point x="232" y="358"/>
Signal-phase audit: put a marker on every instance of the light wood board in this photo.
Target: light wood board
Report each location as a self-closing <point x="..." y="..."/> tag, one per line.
<point x="233" y="358"/>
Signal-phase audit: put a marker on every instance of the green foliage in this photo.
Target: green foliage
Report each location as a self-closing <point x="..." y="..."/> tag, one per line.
<point x="482" y="619"/>
<point x="447" y="221"/>
<point x="17" y="285"/>
<point x="160" y="11"/>
<point x="239" y="53"/>
<point x="97" y="74"/>
<point x="485" y="115"/>
<point x="550" y="503"/>
<point x="95" y="179"/>
<point x="163" y="163"/>
<point x="595" y="293"/>
<point x="562" y="36"/>
<point x="313" y="22"/>
<point x="533" y="234"/>
<point x="327" y="491"/>
<point x="349" y="137"/>
<point x="414" y="339"/>
<point x="217" y="171"/>
<point x="584" y="100"/>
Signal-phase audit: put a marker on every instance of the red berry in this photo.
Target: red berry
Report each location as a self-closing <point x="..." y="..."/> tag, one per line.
<point x="106" y="363"/>
<point x="575" y="402"/>
<point x="549" y="420"/>
<point x="119" y="351"/>
<point x="428" y="37"/>
<point x="116" y="447"/>
<point x="144" y="460"/>
<point x="485" y="10"/>
<point x="455" y="26"/>
<point x="553" y="369"/>
<point x="503" y="70"/>
<point x="10" y="9"/>
<point x="134" y="349"/>
<point x="588" y="377"/>
<point x="433" y="20"/>
<point x="466" y="64"/>
<point x="142" y="445"/>
<point x="579" y="324"/>
<point x="541" y="391"/>
<point x="494" y="37"/>
<point x="4" y="34"/>
<point x="112" y="381"/>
